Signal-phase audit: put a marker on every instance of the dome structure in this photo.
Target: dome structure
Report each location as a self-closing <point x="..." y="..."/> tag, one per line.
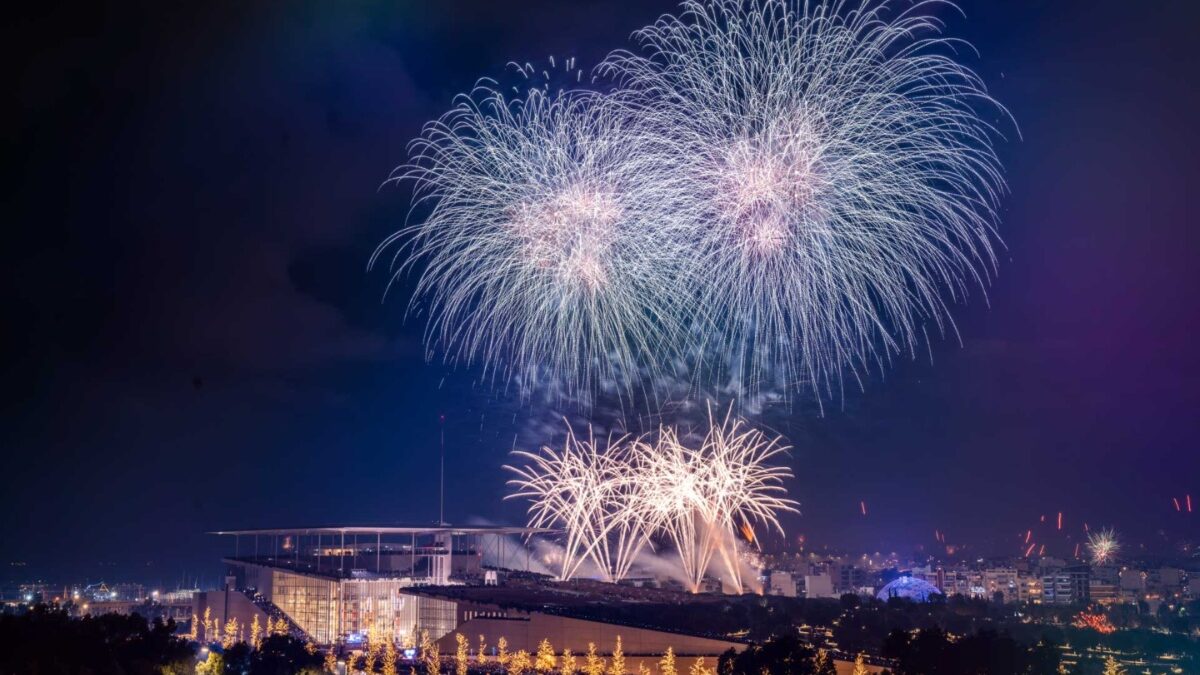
<point x="917" y="590"/>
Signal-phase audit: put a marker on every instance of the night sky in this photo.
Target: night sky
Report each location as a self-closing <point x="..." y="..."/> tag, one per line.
<point x="192" y="341"/>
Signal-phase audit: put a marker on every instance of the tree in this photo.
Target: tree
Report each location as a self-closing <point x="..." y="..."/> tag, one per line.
<point x="330" y="663"/>
<point x="642" y="669"/>
<point x="284" y="654"/>
<point x="698" y="667"/>
<point x="860" y="666"/>
<point x="593" y="664"/>
<point x="568" y="662"/>
<point x="502" y="654"/>
<point x="231" y="633"/>
<point x="823" y="664"/>
<point x="617" y="665"/>
<point x="460" y="654"/>
<point x="206" y="634"/>
<point x="255" y="632"/>
<point x="1111" y="667"/>
<point x="481" y="657"/>
<point x="213" y="665"/>
<point x="373" y="648"/>
<point x="389" y="658"/>
<point x="45" y="640"/>
<point x="193" y="630"/>
<point x="545" y="660"/>
<point x="667" y="665"/>
<point x="519" y="662"/>
<point x="785" y="655"/>
<point x="432" y="659"/>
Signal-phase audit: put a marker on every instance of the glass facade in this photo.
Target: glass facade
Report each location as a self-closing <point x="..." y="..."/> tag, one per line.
<point x="330" y="610"/>
<point x="311" y="602"/>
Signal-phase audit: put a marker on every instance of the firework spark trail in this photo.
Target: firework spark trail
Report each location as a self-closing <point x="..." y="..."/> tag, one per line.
<point x="843" y="177"/>
<point x="611" y="500"/>
<point x="553" y="241"/>
<point x="789" y="188"/>
<point x="736" y="484"/>
<point x="1104" y="546"/>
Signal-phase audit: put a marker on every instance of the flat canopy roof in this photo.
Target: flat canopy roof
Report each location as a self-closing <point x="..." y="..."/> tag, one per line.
<point x="392" y="529"/>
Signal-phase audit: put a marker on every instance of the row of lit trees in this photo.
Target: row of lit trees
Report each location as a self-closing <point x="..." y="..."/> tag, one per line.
<point x="209" y="630"/>
<point x="380" y="655"/>
<point x="544" y="661"/>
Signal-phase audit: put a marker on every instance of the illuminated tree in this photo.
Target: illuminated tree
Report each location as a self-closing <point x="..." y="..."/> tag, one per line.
<point x="568" y="662"/>
<point x="432" y="659"/>
<point x="481" y="657"/>
<point x="860" y="666"/>
<point x="208" y="630"/>
<point x="502" y="654"/>
<point x="213" y="665"/>
<point x="193" y="631"/>
<point x="642" y="669"/>
<point x="231" y="633"/>
<point x="593" y="664"/>
<point x="545" y="660"/>
<point x="520" y="663"/>
<point x="460" y="654"/>
<point x="666" y="666"/>
<point x="372" y="657"/>
<point x="389" y="658"/>
<point x="617" y="665"/>
<point x="823" y="664"/>
<point x="1111" y="667"/>
<point x="255" y="633"/>
<point x="330" y="662"/>
<point x="698" y="668"/>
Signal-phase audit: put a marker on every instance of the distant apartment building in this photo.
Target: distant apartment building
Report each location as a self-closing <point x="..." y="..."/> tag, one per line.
<point x="781" y="582"/>
<point x="818" y="586"/>
<point x="1105" y="584"/>
<point x="1005" y="581"/>
<point x="1066" y="585"/>
<point x="849" y="577"/>
<point x="1133" y="585"/>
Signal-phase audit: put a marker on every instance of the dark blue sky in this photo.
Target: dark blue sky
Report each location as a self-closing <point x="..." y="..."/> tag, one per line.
<point x="192" y="342"/>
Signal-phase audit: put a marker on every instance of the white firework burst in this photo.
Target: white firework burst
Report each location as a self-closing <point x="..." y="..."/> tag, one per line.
<point x="1104" y="546"/>
<point x="588" y="490"/>
<point x="705" y="493"/>
<point x="842" y="179"/>
<point x="552" y="243"/>
<point x="610" y="501"/>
